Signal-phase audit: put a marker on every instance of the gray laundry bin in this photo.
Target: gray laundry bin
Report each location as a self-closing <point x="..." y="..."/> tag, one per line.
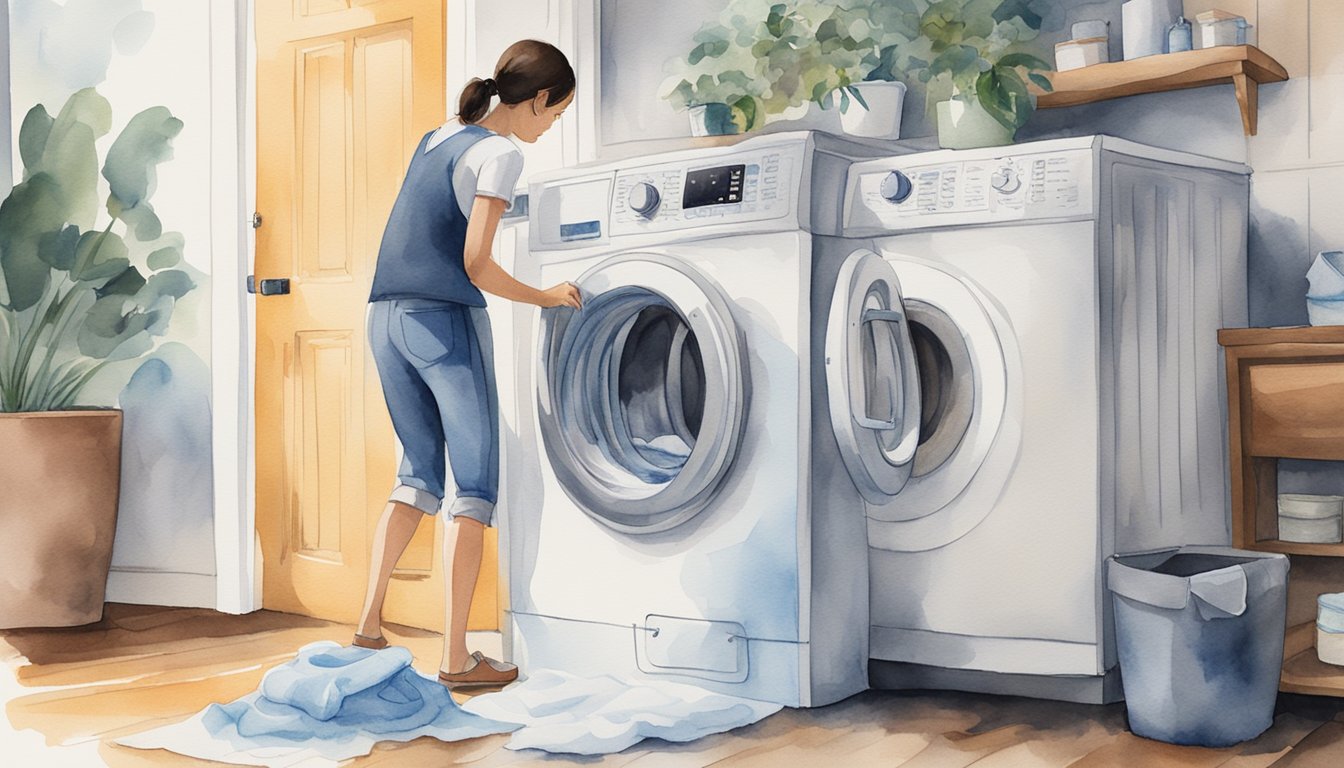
<point x="1200" y="636"/>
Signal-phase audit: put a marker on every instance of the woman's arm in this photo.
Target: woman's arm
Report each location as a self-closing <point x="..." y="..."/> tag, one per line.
<point x="487" y="275"/>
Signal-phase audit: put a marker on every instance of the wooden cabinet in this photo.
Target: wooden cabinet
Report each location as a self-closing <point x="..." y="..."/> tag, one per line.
<point x="1285" y="401"/>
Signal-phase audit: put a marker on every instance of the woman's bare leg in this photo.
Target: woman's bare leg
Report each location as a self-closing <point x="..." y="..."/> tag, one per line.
<point x="394" y="532"/>
<point x="463" y="542"/>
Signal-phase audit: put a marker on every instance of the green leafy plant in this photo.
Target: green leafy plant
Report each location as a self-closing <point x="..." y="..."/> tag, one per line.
<point x="78" y="294"/>
<point x="972" y="50"/>
<point x="764" y="58"/>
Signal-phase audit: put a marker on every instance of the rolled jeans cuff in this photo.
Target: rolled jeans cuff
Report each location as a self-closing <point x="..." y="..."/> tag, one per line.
<point x="416" y="497"/>
<point x="476" y="508"/>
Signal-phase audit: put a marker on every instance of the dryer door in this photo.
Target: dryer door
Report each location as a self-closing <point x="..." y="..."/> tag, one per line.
<point x="871" y="376"/>
<point x="640" y="393"/>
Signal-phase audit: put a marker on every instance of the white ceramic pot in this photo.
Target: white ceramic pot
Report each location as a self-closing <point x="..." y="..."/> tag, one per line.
<point x="882" y="118"/>
<point x="712" y="120"/>
<point x="966" y="125"/>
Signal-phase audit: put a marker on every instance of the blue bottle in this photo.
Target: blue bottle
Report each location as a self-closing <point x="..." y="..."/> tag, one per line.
<point x="1180" y="36"/>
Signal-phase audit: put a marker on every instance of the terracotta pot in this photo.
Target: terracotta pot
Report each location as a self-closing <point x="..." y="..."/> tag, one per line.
<point x="58" y="513"/>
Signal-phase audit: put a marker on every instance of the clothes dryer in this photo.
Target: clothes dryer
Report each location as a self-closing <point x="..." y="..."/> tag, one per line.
<point x="1062" y="300"/>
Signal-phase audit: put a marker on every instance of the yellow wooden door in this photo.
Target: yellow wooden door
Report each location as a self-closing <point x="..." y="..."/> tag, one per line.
<point x="345" y="90"/>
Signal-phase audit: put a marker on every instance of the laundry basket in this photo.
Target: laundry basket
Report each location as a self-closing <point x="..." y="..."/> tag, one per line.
<point x="1325" y="293"/>
<point x="1199" y="632"/>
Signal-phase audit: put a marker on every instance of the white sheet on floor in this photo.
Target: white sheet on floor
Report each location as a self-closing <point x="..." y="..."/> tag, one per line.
<point x="564" y="713"/>
<point x="329" y="704"/>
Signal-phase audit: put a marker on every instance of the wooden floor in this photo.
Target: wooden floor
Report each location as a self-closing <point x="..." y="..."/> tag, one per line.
<point x="79" y="689"/>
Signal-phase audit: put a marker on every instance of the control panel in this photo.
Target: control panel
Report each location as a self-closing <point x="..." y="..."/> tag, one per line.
<point x="750" y="186"/>
<point x="905" y="193"/>
<point x="703" y="189"/>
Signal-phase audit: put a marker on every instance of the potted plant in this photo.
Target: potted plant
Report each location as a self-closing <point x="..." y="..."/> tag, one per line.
<point x="973" y="54"/>
<point x="716" y="84"/>
<point x="81" y="285"/>
<point x="764" y="60"/>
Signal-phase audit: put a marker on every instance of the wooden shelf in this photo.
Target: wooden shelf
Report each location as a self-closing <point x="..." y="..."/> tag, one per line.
<point x="1244" y="66"/>
<point x="1298" y="548"/>
<point x="1303" y="672"/>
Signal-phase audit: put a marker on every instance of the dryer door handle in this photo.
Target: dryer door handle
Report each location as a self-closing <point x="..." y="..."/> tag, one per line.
<point x="864" y="419"/>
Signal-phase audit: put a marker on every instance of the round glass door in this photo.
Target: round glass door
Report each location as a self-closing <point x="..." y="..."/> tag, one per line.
<point x="872" y="377"/>
<point x="641" y="392"/>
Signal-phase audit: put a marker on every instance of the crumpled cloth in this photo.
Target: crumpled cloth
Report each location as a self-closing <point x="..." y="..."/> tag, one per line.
<point x="565" y="713"/>
<point x="329" y="704"/>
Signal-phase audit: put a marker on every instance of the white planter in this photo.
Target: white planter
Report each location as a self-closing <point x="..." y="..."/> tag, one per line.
<point x="966" y="125"/>
<point x="882" y="118"/>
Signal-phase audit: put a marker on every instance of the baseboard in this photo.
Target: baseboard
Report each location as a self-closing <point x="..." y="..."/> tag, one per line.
<point x="179" y="590"/>
<point x="897" y="675"/>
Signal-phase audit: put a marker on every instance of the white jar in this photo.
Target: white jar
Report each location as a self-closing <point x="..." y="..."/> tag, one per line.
<point x="1330" y="628"/>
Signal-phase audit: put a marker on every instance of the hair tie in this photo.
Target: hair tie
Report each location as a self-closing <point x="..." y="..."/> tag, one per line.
<point x="490" y="87"/>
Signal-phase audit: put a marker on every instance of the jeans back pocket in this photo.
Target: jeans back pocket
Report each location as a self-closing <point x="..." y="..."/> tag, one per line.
<point x="431" y="335"/>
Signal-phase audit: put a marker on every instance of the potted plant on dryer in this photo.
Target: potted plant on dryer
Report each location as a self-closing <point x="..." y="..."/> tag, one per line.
<point x="84" y="282"/>
<point x="975" y="56"/>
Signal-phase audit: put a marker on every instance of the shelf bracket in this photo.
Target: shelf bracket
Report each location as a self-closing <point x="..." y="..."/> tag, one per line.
<point x="1248" y="97"/>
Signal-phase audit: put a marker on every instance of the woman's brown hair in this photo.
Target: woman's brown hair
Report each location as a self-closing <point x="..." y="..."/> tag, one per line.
<point x="527" y="68"/>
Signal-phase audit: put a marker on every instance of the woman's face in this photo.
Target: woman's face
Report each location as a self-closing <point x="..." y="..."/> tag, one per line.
<point x="535" y="118"/>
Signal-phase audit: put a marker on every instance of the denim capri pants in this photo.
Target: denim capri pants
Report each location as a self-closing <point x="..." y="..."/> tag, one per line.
<point x="435" y="360"/>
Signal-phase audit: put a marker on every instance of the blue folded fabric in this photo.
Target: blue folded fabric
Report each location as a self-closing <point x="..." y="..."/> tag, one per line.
<point x="329" y="704"/>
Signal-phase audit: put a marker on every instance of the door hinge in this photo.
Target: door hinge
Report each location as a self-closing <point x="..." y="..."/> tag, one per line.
<point x="274" y="286"/>
<point x="256" y="220"/>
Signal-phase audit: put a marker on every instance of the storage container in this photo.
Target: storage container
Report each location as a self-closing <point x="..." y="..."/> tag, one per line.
<point x="1330" y="628"/>
<point x="1199" y="635"/>
<point x="1076" y="54"/>
<point x="1219" y="27"/>
<point x="1311" y="519"/>
<point x="1325" y="292"/>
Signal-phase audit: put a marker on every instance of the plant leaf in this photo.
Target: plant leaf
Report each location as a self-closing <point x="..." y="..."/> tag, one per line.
<point x="70" y="157"/>
<point x="1025" y="60"/>
<point x="100" y="255"/>
<point x="746" y="106"/>
<point x="128" y="283"/>
<point x="165" y="257"/>
<point x="859" y="97"/>
<point x="57" y="248"/>
<point x="1041" y="82"/>
<point x="33" y="137"/>
<point x="132" y="159"/>
<point x="34" y="207"/>
<point x="108" y="326"/>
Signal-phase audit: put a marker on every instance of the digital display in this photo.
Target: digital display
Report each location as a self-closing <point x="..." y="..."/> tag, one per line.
<point x="582" y="230"/>
<point x="713" y="186"/>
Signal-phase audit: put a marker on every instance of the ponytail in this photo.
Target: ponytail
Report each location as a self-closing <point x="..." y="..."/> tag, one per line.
<point x="526" y="69"/>
<point x="475" y="100"/>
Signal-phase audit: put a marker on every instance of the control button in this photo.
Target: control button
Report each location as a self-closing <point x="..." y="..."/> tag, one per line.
<point x="1005" y="180"/>
<point x="896" y="187"/>
<point x="644" y="199"/>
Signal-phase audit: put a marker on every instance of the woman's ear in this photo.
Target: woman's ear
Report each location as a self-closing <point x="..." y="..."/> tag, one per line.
<point x="539" y="103"/>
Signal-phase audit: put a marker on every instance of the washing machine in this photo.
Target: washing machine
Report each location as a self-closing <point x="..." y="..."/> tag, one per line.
<point x="689" y="523"/>
<point x="1060" y="304"/>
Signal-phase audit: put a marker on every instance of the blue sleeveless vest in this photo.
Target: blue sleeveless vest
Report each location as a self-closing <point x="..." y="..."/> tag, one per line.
<point x="422" y="252"/>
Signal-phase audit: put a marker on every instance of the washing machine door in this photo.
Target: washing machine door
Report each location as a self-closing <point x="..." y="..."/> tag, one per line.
<point x="640" y="393"/>
<point x="970" y="379"/>
<point x="871" y="376"/>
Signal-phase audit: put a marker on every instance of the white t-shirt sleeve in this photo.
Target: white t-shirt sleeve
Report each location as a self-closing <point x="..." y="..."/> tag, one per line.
<point x="490" y="167"/>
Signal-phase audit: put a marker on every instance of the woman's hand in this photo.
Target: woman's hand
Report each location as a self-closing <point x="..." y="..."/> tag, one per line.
<point x="562" y="295"/>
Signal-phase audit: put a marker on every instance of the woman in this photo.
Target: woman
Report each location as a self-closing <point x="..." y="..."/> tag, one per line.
<point x="431" y="337"/>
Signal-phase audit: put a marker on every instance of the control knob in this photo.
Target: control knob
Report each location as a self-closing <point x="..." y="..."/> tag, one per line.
<point x="896" y="187"/>
<point x="644" y="199"/>
<point x="1005" y="180"/>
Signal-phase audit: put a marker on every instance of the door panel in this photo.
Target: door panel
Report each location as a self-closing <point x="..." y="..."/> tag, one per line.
<point x="344" y="92"/>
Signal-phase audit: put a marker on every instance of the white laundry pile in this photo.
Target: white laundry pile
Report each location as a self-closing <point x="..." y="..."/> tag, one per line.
<point x="329" y="704"/>
<point x="565" y="713"/>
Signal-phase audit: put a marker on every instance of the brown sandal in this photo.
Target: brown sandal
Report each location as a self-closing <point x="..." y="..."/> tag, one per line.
<point x="484" y="672"/>
<point x="372" y="643"/>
